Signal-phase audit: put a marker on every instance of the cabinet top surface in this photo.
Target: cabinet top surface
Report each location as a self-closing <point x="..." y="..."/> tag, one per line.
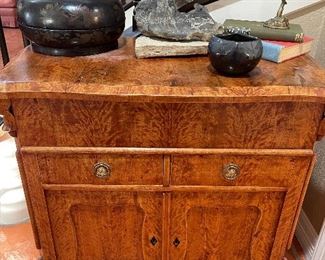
<point x="118" y="75"/>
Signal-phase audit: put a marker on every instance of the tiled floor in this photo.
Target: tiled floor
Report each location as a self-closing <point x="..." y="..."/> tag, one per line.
<point x="16" y="242"/>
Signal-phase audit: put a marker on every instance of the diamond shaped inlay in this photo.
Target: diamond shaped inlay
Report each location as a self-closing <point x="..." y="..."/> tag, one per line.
<point x="176" y="242"/>
<point x="153" y="241"/>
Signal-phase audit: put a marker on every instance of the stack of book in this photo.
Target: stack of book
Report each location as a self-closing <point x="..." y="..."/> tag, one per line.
<point x="278" y="45"/>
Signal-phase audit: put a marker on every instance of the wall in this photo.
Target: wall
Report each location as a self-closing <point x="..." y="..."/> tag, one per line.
<point x="244" y="9"/>
<point x="309" y="13"/>
<point x="259" y="10"/>
<point x="312" y="20"/>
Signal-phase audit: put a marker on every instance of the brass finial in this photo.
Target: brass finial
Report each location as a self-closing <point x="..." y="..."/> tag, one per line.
<point x="279" y="21"/>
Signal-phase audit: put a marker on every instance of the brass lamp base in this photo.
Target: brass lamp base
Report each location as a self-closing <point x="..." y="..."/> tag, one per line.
<point x="281" y="23"/>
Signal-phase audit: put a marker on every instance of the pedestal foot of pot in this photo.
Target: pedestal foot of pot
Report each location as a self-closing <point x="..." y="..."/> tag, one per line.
<point x="75" y="51"/>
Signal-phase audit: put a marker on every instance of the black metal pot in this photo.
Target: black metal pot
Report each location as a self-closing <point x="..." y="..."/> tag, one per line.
<point x="235" y="54"/>
<point x="71" y="27"/>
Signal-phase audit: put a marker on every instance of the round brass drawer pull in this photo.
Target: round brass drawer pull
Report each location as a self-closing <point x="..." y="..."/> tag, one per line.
<point x="102" y="170"/>
<point x="231" y="171"/>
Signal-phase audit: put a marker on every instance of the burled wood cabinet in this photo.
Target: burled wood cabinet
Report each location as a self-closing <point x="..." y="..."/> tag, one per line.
<point x="162" y="158"/>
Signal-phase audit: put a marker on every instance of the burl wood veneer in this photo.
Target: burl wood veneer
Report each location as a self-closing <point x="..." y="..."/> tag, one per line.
<point x="162" y="158"/>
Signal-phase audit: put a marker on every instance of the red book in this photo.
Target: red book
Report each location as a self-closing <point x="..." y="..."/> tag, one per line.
<point x="278" y="51"/>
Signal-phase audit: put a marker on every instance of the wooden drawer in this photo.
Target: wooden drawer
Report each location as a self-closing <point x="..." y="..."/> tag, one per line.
<point x="123" y="169"/>
<point x="241" y="169"/>
<point x="80" y="123"/>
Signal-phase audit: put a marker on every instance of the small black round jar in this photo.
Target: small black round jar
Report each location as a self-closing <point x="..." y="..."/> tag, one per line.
<point x="71" y="27"/>
<point x="235" y="54"/>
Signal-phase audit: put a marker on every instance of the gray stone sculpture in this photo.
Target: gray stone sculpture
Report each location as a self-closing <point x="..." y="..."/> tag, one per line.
<point x="160" y="18"/>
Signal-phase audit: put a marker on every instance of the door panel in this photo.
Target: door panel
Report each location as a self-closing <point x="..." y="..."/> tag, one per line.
<point x="289" y="171"/>
<point x="224" y="225"/>
<point x="106" y="225"/>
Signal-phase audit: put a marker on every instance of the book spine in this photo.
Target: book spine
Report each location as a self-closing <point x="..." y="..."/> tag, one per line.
<point x="257" y="29"/>
<point x="272" y="35"/>
<point x="271" y="51"/>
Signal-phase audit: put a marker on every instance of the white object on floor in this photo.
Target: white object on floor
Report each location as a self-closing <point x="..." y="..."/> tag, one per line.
<point x="146" y="47"/>
<point x="13" y="207"/>
<point x="306" y="235"/>
<point x="7" y="148"/>
<point x="10" y="182"/>
<point x="319" y="252"/>
<point x="9" y="172"/>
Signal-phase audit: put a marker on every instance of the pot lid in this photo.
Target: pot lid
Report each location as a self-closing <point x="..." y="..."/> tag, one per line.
<point x="70" y="14"/>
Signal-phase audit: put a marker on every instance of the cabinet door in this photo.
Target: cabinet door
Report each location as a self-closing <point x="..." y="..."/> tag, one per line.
<point x="224" y="224"/>
<point x="250" y="200"/>
<point x="105" y="225"/>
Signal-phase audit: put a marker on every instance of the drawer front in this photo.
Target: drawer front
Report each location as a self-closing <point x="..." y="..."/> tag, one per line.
<point x="80" y="123"/>
<point x="239" y="170"/>
<point x="101" y="169"/>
